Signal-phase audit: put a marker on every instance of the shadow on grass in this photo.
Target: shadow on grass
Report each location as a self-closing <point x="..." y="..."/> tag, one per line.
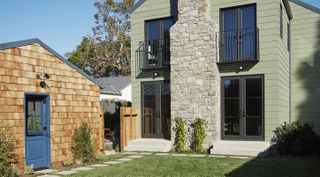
<point x="279" y="166"/>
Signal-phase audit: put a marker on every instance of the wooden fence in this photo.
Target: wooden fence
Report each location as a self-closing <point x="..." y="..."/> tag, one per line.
<point x="101" y="131"/>
<point x="128" y="125"/>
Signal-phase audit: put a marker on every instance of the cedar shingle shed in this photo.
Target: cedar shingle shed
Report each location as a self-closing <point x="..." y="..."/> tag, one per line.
<point x="43" y="98"/>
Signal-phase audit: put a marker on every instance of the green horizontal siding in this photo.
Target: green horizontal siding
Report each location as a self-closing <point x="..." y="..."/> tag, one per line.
<point x="305" y="65"/>
<point x="150" y="9"/>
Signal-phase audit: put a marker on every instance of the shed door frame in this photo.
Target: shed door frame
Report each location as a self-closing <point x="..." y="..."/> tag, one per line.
<point x="43" y="97"/>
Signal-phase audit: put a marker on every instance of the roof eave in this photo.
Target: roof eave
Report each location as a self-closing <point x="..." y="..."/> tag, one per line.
<point x="136" y="6"/>
<point x="16" y="44"/>
<point x="288" y="8"/>
<point x="306" y="5"/>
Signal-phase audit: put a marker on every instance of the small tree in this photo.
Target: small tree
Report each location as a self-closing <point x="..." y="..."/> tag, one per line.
<point x="180" y="135"/>
<point x="199" y="135"/>
<point x="82" y="144"/>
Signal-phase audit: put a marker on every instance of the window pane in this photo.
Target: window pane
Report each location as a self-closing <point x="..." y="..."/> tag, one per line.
<point x="248" y="17"/>
<point x="231" y="126"/>
<point x="34" y="124"/>
<point x="248" y="33"/>
<point x="254" y="126"/>
<point x="153" y="30"/>
<point x="230" y="20"/>
<point x="231" y="88"/>
<point x="232" y="107"/>
<point x="149" y="97"/>
<point x="254" y="87"/>
<point x="165" y="108"/>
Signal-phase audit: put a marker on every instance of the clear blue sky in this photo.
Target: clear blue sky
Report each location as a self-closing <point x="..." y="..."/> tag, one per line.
<point x="59" y="23"/>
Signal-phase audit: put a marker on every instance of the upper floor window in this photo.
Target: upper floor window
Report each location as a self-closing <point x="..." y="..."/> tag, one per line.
<point x="155" y="52"/>
<point x="238" y="36"/>
<point x="281" y="21"/>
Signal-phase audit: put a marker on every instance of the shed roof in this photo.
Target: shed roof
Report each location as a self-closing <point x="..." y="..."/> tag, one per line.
<point x="113" y="85"/>
<point x="21" y="43"/>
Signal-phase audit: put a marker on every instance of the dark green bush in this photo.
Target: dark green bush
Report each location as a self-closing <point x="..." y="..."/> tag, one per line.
<point x="296" y="138"/>
<point x="199" y="135"/>
<point x="180" y="135"/>
<point x="82" y="146"/>
<point x="6" y="153"/>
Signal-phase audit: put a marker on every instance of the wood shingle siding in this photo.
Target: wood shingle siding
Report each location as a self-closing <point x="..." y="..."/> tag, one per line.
<point x="73" y="97"/>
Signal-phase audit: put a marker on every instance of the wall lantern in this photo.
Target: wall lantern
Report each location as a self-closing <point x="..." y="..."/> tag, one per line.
<point x="42" y="76"/>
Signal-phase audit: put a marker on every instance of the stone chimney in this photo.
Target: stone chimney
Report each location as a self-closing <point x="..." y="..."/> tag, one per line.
<point x="195" y="81"/>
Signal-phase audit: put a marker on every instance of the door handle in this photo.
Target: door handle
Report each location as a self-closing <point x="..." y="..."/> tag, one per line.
<point x="45" y="128"/>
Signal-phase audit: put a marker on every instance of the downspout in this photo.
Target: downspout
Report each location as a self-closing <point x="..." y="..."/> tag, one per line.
<point x="290" y="75"/>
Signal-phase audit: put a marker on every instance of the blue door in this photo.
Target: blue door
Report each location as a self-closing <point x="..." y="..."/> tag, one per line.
<point x="37" y="123"/>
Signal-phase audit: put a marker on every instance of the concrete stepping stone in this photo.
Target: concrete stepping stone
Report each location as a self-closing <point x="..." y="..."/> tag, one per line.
<point x="218" y="156"/>
<point x="99" y="165"/>
<point x="238" y="157"/>
<point x="180" y="155"/>
<point x="124" y="159"/>
<point x="162" y="154"/>
<point x="145" y="153"/>
<point x="198" y="155"/>
<point x="66" y="172"/>
<point x="135" y="156"/>
<point x="46" y="175"/>
<point x="45" y="171"/>
<point x="130" y="153"/>
<point x="108" y="153"/>
<point x="82" y="169"/>
<point x="113" y="162"/>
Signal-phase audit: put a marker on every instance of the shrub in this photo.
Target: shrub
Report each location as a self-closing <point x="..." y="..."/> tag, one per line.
<point x="296" y="138"/>
<point x="180" y="135"/>
<point x="82" y="146"/>
<point x="198" y="135"/>
<point x="6" y="153"/>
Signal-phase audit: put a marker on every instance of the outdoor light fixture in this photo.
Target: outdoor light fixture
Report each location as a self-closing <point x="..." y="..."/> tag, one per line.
<point x="42" y="76"/>
<point x="155" y="75"/>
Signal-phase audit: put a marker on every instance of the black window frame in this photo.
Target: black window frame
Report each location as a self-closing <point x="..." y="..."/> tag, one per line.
<point x="239" y="28"/>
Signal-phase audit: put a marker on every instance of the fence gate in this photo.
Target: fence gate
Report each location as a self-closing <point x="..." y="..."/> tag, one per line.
<point x="128" y="125"/>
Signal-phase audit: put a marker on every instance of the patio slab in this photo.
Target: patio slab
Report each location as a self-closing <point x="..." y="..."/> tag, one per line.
<point x="45" y="171"/>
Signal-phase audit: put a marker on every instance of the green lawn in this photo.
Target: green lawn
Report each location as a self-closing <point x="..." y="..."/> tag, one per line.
<point x="278" y="166"/>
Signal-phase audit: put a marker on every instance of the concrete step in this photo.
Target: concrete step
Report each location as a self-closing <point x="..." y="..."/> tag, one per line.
<point x="241" y="148"/>
<point x="148" y="145"/>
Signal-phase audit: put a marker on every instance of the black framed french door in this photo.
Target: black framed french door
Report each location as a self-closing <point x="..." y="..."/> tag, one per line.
<point x="243" y="108"/>
<point x="155" y="104"/>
